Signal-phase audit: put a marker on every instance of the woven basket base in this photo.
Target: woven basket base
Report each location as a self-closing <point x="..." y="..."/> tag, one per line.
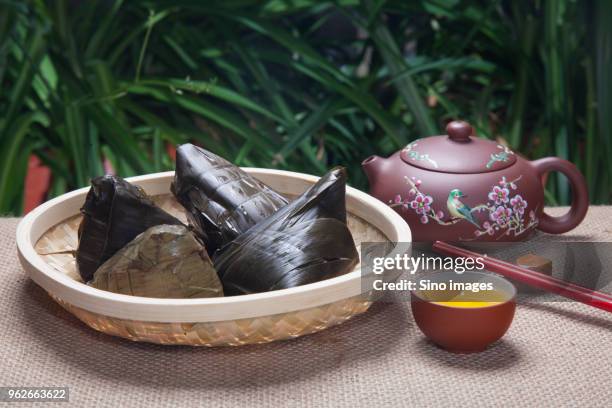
<point x="226" y="333"/>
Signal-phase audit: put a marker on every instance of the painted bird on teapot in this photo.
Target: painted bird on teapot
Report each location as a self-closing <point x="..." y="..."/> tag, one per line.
<point x="459" y="210"/>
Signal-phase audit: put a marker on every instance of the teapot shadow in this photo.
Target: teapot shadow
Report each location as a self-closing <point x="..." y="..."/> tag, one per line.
<point x="183" y="367"/>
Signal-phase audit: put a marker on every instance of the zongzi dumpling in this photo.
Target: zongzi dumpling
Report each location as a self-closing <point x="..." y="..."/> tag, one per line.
<point x="165" y="261"/>
<point x="306" y="241"/>
<point x="114" y="213"/>
<point x="222" y="201"/>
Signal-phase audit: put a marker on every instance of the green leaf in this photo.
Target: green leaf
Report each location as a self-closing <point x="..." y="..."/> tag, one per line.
<point x="444" y="8"/>
<point x="75" y="133"/>
<point x="33" y="52"/>
<point x="120" y="139"/>
<point x="389" y="51"/>
<point x="201" y="107"/>
<point x="315" y="121"/>
<point x="212" y="89"/>
<point x="11" y="186"/>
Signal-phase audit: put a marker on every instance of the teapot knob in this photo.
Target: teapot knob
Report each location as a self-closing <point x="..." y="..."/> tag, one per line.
<point x="459" y="131"/>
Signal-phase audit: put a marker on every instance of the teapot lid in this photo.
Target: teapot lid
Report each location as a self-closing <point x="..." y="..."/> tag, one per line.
<point x="458" y="152"/>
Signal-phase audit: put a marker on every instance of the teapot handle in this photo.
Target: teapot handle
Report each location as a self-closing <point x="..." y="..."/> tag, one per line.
<point x="580" y="196"/>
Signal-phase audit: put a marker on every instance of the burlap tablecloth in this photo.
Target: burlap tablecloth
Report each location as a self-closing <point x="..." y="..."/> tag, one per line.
<point x="555" y="354"/>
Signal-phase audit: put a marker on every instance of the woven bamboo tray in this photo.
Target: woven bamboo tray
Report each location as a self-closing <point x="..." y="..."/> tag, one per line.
<point x="237" y="320"/>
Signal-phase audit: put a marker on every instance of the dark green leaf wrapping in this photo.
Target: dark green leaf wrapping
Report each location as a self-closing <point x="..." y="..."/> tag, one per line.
<point x="114" y="213"/>
<point x="303" y="242"/>
<point x="222" y="201"/>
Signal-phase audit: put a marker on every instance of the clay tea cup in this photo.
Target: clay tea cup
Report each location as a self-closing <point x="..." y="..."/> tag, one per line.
<point x="462" y="320"/>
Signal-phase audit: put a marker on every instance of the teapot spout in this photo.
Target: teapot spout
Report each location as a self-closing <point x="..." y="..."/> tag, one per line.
<point x="371" y="167"/>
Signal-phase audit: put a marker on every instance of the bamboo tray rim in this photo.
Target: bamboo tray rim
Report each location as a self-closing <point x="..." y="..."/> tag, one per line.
<point x="56" y="210"/>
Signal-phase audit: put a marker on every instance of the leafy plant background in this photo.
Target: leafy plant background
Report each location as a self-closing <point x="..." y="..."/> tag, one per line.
<point x="298" y="84"/>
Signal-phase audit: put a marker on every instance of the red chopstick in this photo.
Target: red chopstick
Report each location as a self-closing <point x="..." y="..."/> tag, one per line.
<point x="539" y="280"/>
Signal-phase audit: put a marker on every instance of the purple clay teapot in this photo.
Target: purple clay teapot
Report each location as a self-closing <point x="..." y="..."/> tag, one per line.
<point x="462" y="188"/>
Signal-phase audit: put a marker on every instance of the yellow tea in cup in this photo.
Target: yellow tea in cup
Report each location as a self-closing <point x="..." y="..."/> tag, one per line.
<point x="466" y="299"/>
